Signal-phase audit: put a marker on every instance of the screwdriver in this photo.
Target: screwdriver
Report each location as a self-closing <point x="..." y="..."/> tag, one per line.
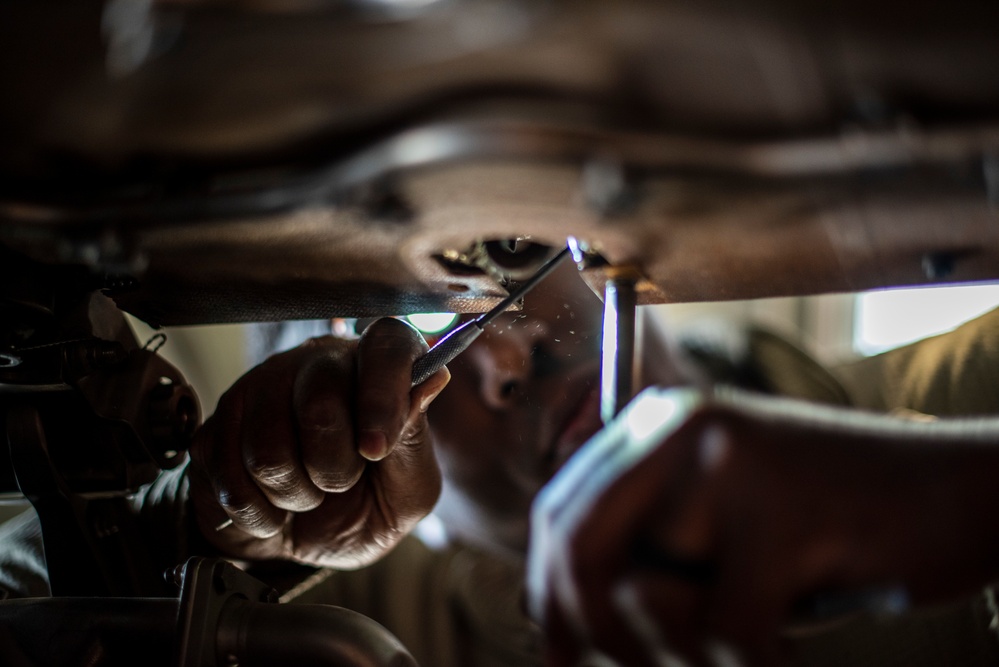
<point x="456" y="342"/>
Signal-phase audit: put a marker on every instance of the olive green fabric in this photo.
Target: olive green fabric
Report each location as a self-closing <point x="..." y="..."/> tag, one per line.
<point x="788" y="371"/>
<point x="954" y="374"/>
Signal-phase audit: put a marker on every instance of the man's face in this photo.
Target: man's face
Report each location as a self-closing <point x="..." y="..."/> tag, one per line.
<point x="521" y="400"/>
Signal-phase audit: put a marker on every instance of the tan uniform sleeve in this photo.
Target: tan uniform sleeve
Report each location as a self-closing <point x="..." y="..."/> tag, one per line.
<point x="953" y="374"/>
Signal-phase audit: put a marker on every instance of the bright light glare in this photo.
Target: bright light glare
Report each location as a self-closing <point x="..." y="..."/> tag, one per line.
<point x="892" y="318"/>
<point x="431" y="323"/>
<point x="650" y="412"/>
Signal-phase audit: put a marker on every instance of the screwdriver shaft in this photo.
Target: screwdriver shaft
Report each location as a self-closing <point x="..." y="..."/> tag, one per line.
<point x="457" y="341"/>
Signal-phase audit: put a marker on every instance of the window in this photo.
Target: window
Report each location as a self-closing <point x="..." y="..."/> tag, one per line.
<point x="891" y="318"/>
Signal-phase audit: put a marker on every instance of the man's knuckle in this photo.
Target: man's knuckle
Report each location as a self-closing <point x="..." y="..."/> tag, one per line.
<point x="244" y="512"/>
<point x="278" y="474"/>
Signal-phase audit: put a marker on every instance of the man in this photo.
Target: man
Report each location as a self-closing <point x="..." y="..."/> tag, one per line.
<point x="344" y="468"/>
<point x="326" y="456"/>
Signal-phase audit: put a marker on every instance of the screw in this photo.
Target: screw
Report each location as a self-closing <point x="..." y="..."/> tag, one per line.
<point x="583" y="255"/>
<point x="85" y="357"/>
<point x="605" y="187"/>
<point x="938" y="265"/>
<point x="174" y="575"/>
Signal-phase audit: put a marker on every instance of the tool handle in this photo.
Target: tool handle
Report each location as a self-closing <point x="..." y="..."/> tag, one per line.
<point x="445" y="351"/>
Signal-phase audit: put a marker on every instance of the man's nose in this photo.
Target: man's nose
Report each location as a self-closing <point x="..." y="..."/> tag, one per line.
<point x="505" y="362"/>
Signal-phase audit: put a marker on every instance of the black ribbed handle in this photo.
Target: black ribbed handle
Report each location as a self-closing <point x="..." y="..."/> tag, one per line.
<point x="445" y="350"/>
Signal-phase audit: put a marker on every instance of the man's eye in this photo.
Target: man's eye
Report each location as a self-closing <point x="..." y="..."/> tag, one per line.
<point x="432" y="324"/>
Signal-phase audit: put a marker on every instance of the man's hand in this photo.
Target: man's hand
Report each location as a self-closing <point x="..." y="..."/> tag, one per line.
<point x="690" y="531"/>
<point x="321" y="454"/>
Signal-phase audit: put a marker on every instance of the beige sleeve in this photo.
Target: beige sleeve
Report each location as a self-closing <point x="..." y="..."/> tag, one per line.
<point x="953" y="374"/>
